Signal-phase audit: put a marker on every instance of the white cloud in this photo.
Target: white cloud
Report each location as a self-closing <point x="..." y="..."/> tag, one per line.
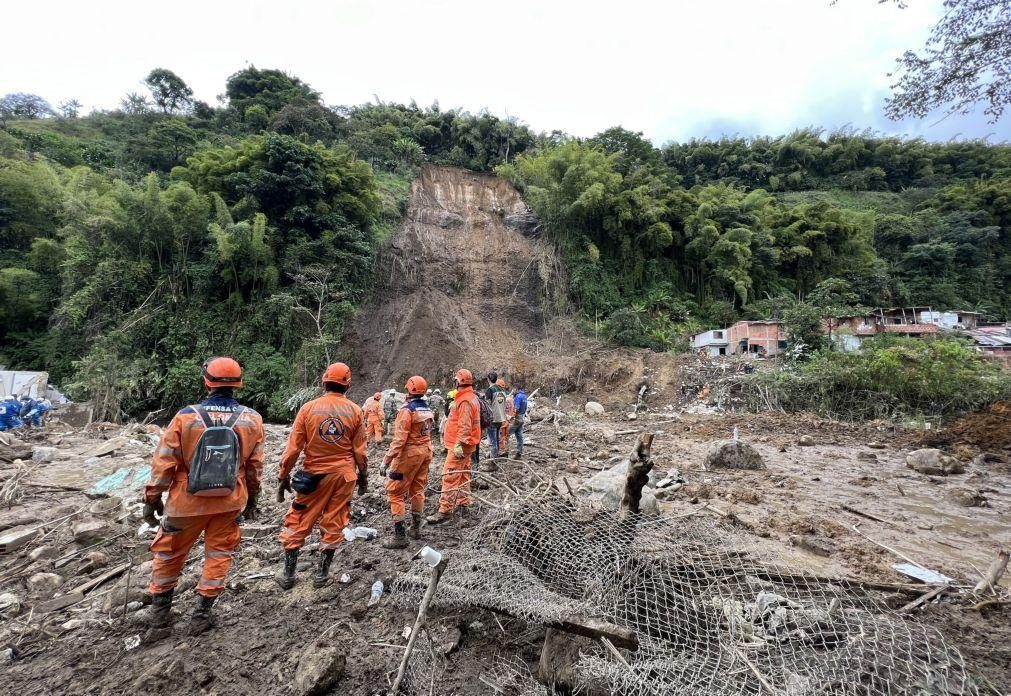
<point x="672" y="70"/>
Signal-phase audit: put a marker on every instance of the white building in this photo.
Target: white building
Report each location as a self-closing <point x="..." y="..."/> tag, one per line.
<point x="712" y="342"/>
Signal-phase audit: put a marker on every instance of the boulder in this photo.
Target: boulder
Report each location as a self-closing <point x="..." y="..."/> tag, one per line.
<point x="43" y="553"/>
<point x="593" y="408"/>
<point x="44" y="584"/>
<point x="41" y="455"/>
<point x="90" y="531"/>
<point x="732" y="454"/>
<point x="105" y="506"/>
<point x="933" y="462"/>
<point x="320" y="667"/>
<point x="608" y="487"/>
<point x="805" y="441"/>
<point x="93" y="561"/>
<point x="967" y="497"/>
<point x="867" y="456"/>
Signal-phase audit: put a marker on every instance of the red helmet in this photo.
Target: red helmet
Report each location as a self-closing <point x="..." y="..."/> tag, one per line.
<point x="464" y="378"/>
<point x="377" y="396"/>
<point x="222" y="372"/>
<point x="416" y="386"/>
<point x="339" y="373"/>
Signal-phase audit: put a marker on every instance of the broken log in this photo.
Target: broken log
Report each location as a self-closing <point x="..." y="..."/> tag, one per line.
<point x="88" y="586"/>
<point x="640" y="464"/>
<point x="924" y="598"/>
<point x="994" y="573"/>
<point x="437" y="571"/>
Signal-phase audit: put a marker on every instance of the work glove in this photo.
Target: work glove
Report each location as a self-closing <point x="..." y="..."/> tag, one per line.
<point x="458" y="451"/>
<point x="150" y="508"/>
<point x="363" y="482"/>
<point x="251" y="510"/>
<point x="384" y="467"/>
<point x="282" y="486"/>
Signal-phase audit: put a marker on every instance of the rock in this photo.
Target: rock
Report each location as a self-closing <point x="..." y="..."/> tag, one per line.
<point x="876" y="445"/>
<point x="89" y="531"/>
<point x="449" y="642"/>
<point x="93" y="561"/>
<point x="867" y="456"/>
<point x="819" y="546"/>
<point x="44" y="584"/>
<point x="9" y="602"/>
<point x="43" y="553"/>
<point x="572" y="468"/>
<point x="359" y="611"/>
<point x="632" y="416"/>
<point x="41" y="455"/>
<point x="933" y="462"/>
<point x="608" y="437"/>
<point x="805" y="441"/>
<point x="118" y="597"/>
<point x="106" y="448"/>
<point x="106" y="506"/>
<point x="967" y="497"/>
<point x="608" y="487"/>
<point x="525" y="223"/>
<point x="320" y="667"/>
<point x="73" y="624"/>
<point x="593" y="408"/>
<point x="732" y="454"/>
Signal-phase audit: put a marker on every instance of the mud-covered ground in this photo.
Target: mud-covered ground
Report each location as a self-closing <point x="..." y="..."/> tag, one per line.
<point x="802" y="510"/>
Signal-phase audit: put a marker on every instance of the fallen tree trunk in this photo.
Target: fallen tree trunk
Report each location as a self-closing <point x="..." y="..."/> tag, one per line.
<point x="639" y="465"/>
<point x="994" y="573"/>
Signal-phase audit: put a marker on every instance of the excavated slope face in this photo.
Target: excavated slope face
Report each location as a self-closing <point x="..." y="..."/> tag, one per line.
<point x="463" y="283"/>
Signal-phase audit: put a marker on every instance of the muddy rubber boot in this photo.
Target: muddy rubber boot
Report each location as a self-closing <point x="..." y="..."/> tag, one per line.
<point x="286" y="577"/>
<point x="439" y="517"/>
<point x="160" y="625"/>
<point x="322" y="576"/>
<point x="399" y="538"/>
<point x="415" y="532"/>
<point x="202" y="619"/>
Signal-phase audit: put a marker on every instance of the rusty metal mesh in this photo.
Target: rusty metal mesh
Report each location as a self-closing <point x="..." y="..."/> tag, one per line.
<point x="711" y="617"/>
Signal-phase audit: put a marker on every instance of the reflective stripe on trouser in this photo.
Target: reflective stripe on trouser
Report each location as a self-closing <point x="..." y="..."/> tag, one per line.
<point x="221" y="537"/>
<point x="411" y="472"/>
<point x="329" y="504"/>
<point x="374" y="429"/>
<point x="455" y="481"/>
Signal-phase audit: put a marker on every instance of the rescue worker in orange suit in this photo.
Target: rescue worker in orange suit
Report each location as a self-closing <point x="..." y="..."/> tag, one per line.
<point x="463" y="433"/>
<point x="373" y="412"/>
<point x="407" y="461"/>
<point x="331" y="432"/>
<point x="209" y="460"/>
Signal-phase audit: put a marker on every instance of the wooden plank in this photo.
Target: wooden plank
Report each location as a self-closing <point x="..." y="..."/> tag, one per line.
<point x="924" y="598"/>
<point x="61" y="602"/>
<point x="597" y="629"/>
<point x="108" y="575"/>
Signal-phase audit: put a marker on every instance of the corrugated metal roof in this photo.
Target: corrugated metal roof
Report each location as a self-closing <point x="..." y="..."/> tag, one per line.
<point x="990" y="340"/>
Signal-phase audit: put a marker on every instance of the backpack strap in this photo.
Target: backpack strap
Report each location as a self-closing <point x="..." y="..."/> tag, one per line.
<point x="233" y="419"/>
<point x="204" y="416"/>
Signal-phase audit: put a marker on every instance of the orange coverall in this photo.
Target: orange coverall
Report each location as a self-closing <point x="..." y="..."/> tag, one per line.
<point x="410" y="455"/>
<point x="331" y="432"/>
<point x="186" y="515"/>
<point x="373" y="412"/>
<point x="463" y="426"/>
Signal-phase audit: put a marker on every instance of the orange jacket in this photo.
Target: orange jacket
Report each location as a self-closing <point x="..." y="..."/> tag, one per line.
<point x="464" y="423"/>
<point x="171" y="463"/>
<point x="412" y="431"/>
<point x="331" y="431"/>
<point x="373" y="410"/>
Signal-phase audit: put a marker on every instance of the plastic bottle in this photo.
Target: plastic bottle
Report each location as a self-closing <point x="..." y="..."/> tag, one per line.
<point x="377" y="592"/>
<point x="365" y="532"/>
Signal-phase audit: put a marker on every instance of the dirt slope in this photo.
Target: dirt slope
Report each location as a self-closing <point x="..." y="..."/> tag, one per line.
<point x="464" y="281"/>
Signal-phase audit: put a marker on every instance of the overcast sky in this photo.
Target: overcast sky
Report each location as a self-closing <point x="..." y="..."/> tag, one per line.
<point x="673" y="69"/>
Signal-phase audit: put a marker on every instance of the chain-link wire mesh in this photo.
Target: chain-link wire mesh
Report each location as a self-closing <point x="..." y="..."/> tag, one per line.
<point x="711" y="616"/>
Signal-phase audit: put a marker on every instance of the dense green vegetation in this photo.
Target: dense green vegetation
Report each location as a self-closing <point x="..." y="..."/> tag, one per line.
<point x="666" y="241"/>
<point x="137" y="241"/>
<point x="889" y="377"/>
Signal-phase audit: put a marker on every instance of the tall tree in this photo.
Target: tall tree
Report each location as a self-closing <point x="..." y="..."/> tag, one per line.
<point x="168" y="91"/>
<point x="24" y="105"/>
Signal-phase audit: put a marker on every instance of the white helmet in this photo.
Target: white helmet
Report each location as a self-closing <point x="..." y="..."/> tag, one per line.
<point x="438" y="391"/>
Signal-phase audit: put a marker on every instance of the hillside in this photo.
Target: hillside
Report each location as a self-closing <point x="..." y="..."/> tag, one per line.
<point x="137" y="241"/>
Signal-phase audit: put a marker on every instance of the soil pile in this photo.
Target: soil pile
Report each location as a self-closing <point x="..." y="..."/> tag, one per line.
<point x="987" y="430"/>
<point x="464" y="281"/>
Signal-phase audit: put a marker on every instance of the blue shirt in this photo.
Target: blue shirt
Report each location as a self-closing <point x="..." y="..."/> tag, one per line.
<point x="520" y="402"/>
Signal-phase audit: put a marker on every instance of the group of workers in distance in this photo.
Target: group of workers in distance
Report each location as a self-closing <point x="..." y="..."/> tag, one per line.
<point x="210" y="462"/>
<point x="15" y="412"/>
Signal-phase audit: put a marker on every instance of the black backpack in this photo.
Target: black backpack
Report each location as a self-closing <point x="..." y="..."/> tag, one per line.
<point x="485" y="414"/>
<point x="214" y="466"/>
